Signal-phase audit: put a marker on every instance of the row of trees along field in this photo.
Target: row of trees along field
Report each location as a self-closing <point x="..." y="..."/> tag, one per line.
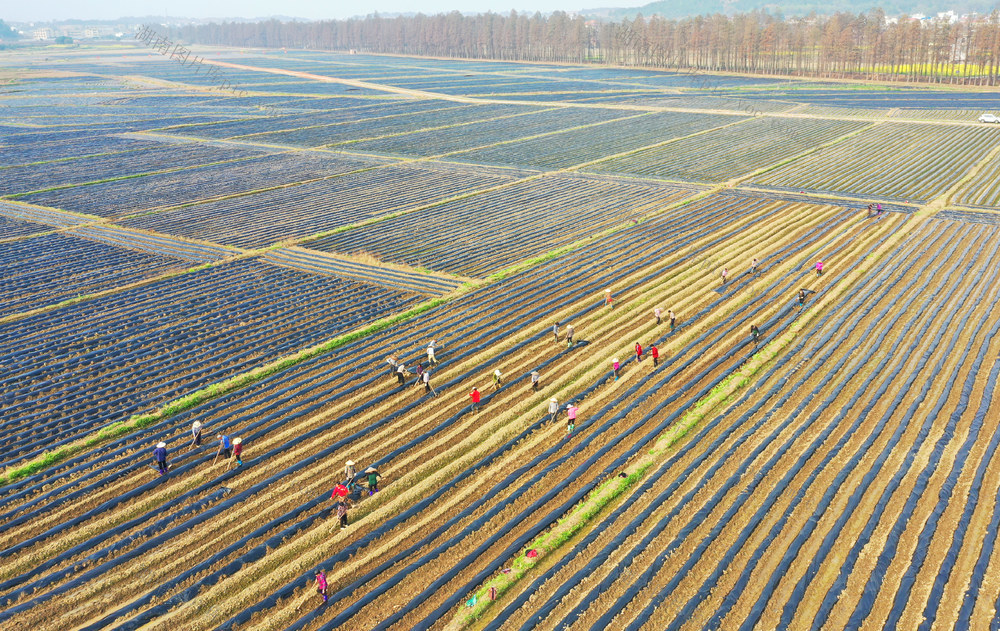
<point x="842" y="45"/>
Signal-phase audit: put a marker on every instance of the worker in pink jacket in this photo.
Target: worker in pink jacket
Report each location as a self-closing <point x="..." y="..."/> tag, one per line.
<point x="571" y="417"/>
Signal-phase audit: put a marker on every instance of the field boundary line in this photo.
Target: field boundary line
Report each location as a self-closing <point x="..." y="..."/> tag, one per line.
<point x="619" y="106"/>
<point x="815" y="149"/>
<point x="120" y="178"/>
<point x="367" y="261"/>
<point x="505" y="142"/>
<point x="945" y="198"/>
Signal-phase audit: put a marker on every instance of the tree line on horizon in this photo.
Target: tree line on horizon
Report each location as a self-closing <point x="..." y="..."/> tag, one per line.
<point x="843" y="45"/>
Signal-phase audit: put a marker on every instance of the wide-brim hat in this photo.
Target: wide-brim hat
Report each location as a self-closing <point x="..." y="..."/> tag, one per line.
<point x="371" y="470"/>
<point x="197" y="424"/>
<point x="615" y="360"/>
<point x="350" y="463"/>
<point x="161" y="444"/>
<point x="554" y="400"/>
<point x="237" y="441"/>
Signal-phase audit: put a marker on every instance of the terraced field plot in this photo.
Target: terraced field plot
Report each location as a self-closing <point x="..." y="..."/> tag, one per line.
<point x="135" y="195"/>
<point x="807" y="450"/>
<point x="722" y="154"/>
<point x="570" y="148"/>
<point x="983" y="189"/>
<point x="523" y="220"/>
<point x="10" y="227"/>
<point x="346" y="133"/>
<point x="51" y="268"/>
<point x="890" y="160"/>
<point x="468" y="136"/>
<point x="304" y="210"/>
<point x="181" y="333"/>
<point x="271" y="128"/>
<point x="166" y="156"/>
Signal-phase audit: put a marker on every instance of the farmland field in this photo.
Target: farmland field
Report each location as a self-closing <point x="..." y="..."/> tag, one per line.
<point x="813" y="446"/>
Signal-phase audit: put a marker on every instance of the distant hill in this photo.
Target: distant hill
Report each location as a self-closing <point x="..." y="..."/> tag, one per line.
<point x="686" y="8"/>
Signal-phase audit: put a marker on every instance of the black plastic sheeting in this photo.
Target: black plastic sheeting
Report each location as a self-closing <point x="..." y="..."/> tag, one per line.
<point x="259" y="551"/>
<point x="106" y="506"/>
<point x="553" y="515"/>
<point x="924" y="539"/>
<point x="877" y="430"/>
<point x="252" y="555"/>
<point x="348" y="590"/>
<point x="951" y="557"/>
<point x="545" y="333"/>
<point x="640" y="582"/>
<point x="673" y="246"/>
<point x="606" y="553"/>
<point x="865" y="535"/>
<point x="731" y="598"/>
<point x="96" y="556"/>
<point x="458" y="333"/>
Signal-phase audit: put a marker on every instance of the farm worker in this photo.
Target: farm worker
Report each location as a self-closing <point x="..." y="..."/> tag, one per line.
<point x="571" y="417"/>
<point x="879" y="206"/>
<point x="870" y="206"/>
<point x="656" y="313"/>
<point x="420" y="374"/>
<point x="609" y="300"/>
<point x="427" y="382"/>
<point x="753" y="267"/>
<point x="238" y="451"/>
<point x="725" y="273"/>
<point x="555" y="331"/>
<point x="339" y="491"/>
<point x="430" y="353"/>
<point x="475" y="399"/>
<point x="819" y="268"/>
<point x="497" y="382"/>
<point x="342" y="507"/>
<point x="673" y="319"/>
<point x="160" y="455"/>
<point x="401" y="374"/>
<point x="224" y="446"/>
<point x="534" y="380"/>
<point x="754" y="332"/>
<point x="350" y="472"/>
<point x="393" y="364"/>
<point x="655" y="352"/>
<point x="321" y="584"/>
<point x="614" y="367"/>
<point x="802" y="297"/>
<point x="553" y="408"/>
<point x="638" y="351"/>
<point x="196" y="433"/>
<point x="373" y="477"/>
<point x="569" y="335"/>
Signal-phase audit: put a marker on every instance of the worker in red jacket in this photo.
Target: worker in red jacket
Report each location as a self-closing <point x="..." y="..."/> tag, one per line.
<point x="638" y="351"/>
<point x="655" y="352"/>
<point x="475" y="399"/>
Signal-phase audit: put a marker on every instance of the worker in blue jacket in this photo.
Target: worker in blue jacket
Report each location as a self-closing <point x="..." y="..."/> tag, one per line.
<point x="160" y="454"/>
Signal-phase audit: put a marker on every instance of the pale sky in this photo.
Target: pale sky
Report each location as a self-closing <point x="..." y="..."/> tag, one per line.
<point x="45" y="10"/>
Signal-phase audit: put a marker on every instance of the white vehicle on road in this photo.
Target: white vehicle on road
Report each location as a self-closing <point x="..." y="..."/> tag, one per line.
<point x="989" y="118"/>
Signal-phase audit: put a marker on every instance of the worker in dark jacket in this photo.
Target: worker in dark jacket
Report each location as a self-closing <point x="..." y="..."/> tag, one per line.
<point x="160" y="454"/>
